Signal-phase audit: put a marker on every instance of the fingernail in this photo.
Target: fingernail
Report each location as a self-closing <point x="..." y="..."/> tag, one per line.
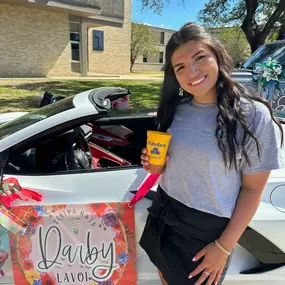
<point x="194" y="259"/>
<point x="146" y="158"/>
<point x="190" y="276"/>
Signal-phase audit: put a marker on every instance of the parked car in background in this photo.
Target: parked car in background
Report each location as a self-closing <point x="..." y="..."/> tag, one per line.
<point x="275" y="50"/>
<point x="245" y="74"/>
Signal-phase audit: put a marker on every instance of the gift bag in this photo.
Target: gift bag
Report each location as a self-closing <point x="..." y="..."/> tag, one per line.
<point x="122" y="103"/>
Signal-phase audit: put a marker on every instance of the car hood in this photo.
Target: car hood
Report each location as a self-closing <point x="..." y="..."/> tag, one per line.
<point x="242" y="75"/>
<point x="242" y="71"/>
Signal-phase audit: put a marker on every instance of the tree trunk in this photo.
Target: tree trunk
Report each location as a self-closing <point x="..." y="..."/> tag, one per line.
<point x="132" y="65"/>
<point x="255" y="36"/>
<point x="256" y="42"/>
<point x="248" y="23"/>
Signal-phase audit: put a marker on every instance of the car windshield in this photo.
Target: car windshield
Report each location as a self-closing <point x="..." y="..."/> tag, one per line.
<point x="276" y="51"/>
<point x="35" y="116"/>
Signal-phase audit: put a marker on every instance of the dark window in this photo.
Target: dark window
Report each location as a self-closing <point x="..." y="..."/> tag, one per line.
<point x="75" y="52"/>
<point x="145" y="58"/>
<point x="98" y="40"/>
<point x="75" y="37"/>
<point x="276" y="51"/>
<point x="35" y="116"/>
<point x="161" y="57"/>
<point x="162" y="38"/>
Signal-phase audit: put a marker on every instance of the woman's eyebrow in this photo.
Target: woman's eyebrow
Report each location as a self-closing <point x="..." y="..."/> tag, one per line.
<point x="178" y="64"/>
<point x="198" y="52"/>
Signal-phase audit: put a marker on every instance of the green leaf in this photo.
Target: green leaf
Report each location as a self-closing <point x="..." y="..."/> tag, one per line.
<point x="5" y="186"/>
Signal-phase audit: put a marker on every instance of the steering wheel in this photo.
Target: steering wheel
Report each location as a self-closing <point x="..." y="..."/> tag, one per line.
<point x="78" y="154"/>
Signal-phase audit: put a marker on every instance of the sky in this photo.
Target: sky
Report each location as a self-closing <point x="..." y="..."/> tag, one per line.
<point x="173" y="16"/>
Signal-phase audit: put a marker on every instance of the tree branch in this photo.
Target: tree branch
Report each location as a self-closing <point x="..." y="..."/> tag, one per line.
<point x="272" y="20"/>
<point x="218" y="12"/>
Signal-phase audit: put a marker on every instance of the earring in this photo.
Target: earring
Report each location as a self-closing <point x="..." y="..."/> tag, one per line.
<point x="181" y="92"/>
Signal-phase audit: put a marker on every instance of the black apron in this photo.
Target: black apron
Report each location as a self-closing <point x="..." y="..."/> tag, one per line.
<point x="174" y="233"/>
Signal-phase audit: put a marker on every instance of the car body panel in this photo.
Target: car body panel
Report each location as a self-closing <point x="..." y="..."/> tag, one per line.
<point x="115" y="185"/>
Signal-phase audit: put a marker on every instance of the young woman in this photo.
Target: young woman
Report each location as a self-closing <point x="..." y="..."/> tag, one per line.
<point x="224" y="143"/>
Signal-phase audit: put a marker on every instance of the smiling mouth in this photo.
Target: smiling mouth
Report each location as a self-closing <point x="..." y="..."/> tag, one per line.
<point x="198" y="81"/>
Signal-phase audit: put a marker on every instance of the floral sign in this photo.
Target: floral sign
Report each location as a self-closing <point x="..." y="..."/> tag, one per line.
<point x="91" y="244"/>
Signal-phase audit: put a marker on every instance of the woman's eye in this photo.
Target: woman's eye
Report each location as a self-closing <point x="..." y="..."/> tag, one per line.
<point x="198" y="58"/>
<point x="179" y="68"/>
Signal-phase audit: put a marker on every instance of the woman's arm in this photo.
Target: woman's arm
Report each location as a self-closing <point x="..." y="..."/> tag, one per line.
<point x="246" y="206"/>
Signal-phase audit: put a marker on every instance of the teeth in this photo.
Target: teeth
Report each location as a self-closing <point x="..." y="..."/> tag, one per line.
<point x="197" y="81"/>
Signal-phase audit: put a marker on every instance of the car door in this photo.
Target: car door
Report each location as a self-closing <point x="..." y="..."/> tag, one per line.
<point x="76" y="187"/>
<point x="98" y="186"/>
<point x="106" y="185"/>
<point x="265" y="235"/>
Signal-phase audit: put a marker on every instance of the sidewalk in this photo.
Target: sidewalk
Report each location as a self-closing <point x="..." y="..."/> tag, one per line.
<point x="98" y="77"/>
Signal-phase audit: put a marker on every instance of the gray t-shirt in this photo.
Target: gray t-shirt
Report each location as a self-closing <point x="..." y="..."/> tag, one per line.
<point x="195" y="173"/>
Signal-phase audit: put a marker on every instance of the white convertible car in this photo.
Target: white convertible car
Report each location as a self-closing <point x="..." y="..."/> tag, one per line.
<point x="73" y="151"/>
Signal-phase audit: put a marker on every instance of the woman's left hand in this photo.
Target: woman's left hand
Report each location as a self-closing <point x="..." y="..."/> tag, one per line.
<point x="212" y="265"/>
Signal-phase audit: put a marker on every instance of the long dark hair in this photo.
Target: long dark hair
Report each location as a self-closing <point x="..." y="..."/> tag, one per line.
<point x="229" y="94"/>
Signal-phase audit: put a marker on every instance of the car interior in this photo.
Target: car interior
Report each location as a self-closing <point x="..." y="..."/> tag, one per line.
<point x="105" y="143"/>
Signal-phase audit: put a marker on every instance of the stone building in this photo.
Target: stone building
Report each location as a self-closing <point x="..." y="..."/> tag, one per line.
<point x="64" y="37"/>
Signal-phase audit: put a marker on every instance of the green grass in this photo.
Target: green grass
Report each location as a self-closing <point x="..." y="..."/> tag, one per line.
<point x="23" y="96"/>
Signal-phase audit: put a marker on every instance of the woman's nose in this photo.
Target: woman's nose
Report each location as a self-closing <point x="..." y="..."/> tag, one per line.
<point x="193" y="70"/>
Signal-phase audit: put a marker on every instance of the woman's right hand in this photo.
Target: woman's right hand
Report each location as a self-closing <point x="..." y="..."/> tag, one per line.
<point x="158" y="169"/>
